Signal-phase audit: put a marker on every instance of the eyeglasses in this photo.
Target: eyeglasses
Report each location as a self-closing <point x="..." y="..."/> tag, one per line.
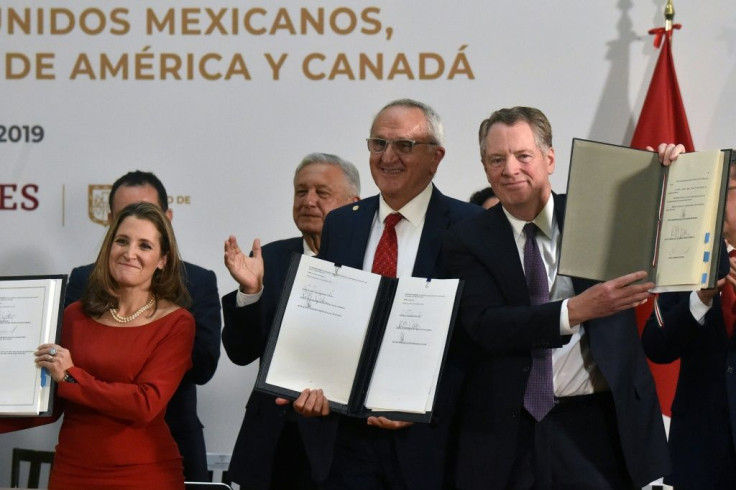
<point x="379" y="145"/>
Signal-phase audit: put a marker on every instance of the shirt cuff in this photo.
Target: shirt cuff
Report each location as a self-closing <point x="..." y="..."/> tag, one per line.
<point x="243" y="299"/>
<point x="565" y="327"/>
<point x="697" y="308"/>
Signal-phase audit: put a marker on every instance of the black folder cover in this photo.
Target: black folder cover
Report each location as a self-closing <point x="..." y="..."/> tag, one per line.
<point x="382" y="305"/>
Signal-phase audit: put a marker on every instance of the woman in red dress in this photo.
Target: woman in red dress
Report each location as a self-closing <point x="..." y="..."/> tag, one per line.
<point x="125" y="347"/>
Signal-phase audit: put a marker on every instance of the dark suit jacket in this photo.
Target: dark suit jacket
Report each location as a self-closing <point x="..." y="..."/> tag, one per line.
<point x="503" y="327"/>
<point x="244" y="336"/>
<point x="181" y="412"/>
<point x="421" y="447"/>
<point x="703" y="427"/>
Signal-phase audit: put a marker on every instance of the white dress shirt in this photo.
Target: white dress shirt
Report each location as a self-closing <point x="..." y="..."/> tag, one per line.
<point x="408" y="231"/>
<point x="574" y="371"/>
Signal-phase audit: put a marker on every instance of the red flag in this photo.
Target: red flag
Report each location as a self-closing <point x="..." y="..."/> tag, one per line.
<point x="662" y="120"/>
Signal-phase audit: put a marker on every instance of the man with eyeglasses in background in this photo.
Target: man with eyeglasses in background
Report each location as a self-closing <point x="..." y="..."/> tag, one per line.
<point x="406" y="148"/>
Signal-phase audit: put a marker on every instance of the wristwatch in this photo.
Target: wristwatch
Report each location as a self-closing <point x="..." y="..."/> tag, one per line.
<point x="68" y="378"/>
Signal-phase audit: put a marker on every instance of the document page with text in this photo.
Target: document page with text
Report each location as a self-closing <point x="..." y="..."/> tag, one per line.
<point x="29" y="311"/>
<point x="409" y="360"/>
<point x="323" y="329"/>
<point x="689" y="214"/>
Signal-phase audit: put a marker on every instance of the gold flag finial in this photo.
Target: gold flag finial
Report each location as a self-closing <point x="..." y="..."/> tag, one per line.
<point x="669" y="15"/>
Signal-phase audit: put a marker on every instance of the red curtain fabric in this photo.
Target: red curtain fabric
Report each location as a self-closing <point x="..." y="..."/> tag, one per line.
<point x="662" y="119"/>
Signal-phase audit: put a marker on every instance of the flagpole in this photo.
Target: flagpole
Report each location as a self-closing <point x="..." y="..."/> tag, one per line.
<point x="662" y="118"/>
<point x="669" y="15"/>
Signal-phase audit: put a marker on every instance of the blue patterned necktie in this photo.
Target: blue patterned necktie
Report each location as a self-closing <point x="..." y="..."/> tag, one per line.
<point x="539" y="397"/>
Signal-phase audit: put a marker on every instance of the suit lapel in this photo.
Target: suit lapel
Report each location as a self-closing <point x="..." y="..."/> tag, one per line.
<point x="499" y="253"/>
<point x="560" y="202"/>
<point x="359" y="233"/>
<point x="435" y="222"/>
<point x="297" y="245"/>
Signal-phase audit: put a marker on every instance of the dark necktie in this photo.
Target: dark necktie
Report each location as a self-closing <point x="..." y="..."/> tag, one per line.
<point x="728" y="303"/>
<point x="387" y="251"/>
<point x="539" y="397"/>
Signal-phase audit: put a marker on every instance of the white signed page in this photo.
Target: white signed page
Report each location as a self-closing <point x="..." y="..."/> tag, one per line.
<point x="28" y="317"/>
<point x="625" y="212"/>
<point x="689" y="213"/>
<point x="323" y="329"/>
<point x="410" y="358"/>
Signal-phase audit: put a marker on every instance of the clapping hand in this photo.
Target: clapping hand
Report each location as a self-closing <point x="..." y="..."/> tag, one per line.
<point x="247" y="271"/>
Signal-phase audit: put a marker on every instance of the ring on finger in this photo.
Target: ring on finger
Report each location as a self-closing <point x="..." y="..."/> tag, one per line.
<point x="52" y="351"/>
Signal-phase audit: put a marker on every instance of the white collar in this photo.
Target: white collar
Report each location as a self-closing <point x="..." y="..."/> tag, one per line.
<point x="307" y="251"/>
<point x="414" y="211"/>
<point x="545" y="220"/>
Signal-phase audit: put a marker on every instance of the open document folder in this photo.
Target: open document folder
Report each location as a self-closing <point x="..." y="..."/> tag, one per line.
<point x="626" y="212"/>
<point x="374" y="345"/>
<point x="30" y="315"/>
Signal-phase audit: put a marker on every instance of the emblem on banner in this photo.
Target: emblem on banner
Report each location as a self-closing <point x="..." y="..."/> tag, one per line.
<point x="97" y="207"/>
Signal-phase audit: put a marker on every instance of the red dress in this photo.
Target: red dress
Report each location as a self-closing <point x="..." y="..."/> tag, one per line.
<point x="113" y="434"/>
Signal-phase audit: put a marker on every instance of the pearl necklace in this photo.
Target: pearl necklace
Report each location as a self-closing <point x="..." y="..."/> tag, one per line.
<point x="127" y="319"/>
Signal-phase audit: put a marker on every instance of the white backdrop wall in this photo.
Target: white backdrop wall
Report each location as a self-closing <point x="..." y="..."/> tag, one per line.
<point x="225" y="138"/>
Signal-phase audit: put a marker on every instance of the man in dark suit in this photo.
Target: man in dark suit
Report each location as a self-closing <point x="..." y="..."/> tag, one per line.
<point x="406" y="148"/>
<point x="698" y="329"/>
<point x="565" y="350"/>
<point x="269" y="452"/>
<point x="181" y="411"/>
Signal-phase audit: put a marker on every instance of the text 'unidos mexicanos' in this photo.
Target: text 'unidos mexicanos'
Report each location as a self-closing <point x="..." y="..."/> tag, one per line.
<point x="192" y="21"/>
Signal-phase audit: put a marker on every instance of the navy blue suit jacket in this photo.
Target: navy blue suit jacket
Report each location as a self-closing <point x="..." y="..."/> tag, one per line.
<point x="703" y="427"/>
<point x="181" y="411"/>
<point x="503" y="327"/>
<point x="421" y="447"/>
<point x="244" y="336"/>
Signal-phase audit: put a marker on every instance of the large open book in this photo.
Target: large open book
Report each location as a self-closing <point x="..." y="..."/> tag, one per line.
<point x="31" y="309"/>
<point x="374" y="345"/>
<point x="626" y="212"/>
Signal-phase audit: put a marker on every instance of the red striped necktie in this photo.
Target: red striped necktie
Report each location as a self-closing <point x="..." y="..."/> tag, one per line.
<point x="387" y="251"/>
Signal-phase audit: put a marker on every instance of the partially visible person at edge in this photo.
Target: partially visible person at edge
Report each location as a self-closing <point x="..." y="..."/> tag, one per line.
<point x="698" y="329"/>
<point x="269" y="452"/>
<point x="124" y="349"/>
<point x="485" y="198"/>
<point x="181" y="413"/>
